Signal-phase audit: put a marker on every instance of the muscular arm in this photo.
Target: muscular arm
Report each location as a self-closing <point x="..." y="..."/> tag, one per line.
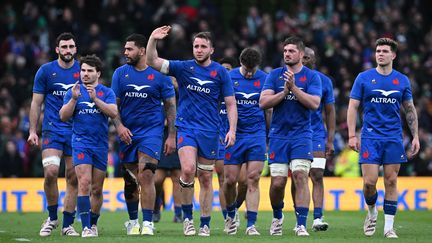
<point x="268" y="116"/>
<point x="152" y="57"/>
<point x="108" y="109"/>
<point x="310" y="101"/>
<point x="35" y="111"/>
<point x="117" y="120"/>
<point x="330" y="119"/>
<point x="67" y="110"/>
<point x="411" y="118"/>
<point x="231" y="107"/>
<point x="351" y="122"/>
<point x="170" y="111"/>
<point x="269" y="99"/>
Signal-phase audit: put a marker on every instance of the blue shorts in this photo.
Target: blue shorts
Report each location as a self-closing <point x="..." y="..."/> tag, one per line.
<point x="382" y="151"/>
<point x="57" y="140"/>
<point x="221" y="150"/>
<point x="284" y="150"/>
<point x="246" y="149"/>
<point x="318" y="144"/>
<point x="98" y="157"/>
<point x="207" y="143"/>
<point x="152" y="146"/>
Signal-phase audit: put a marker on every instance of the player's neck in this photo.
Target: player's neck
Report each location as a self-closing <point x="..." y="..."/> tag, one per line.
<point x="204" y="63"/>
<point x="94" y="84"/>
<point x="141" y="65"/>
<point x="295" y="68"/>
<point x="64" y="64"/>
<point x="385" y="70"/>
<point x="243" y="72"/>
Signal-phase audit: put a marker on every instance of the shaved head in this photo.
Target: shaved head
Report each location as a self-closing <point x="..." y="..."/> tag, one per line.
<point x="309" y="57"/>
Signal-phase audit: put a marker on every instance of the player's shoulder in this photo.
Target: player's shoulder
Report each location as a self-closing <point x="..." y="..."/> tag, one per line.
<point x="324" y="78"/>
<point x="400" y="75"/>
<point x="235" y="72"/>
<point x="49" y="66"/>
<point x="277" y="71"/>
<point x="122" y="69"/>
<point x="260" y="73"/>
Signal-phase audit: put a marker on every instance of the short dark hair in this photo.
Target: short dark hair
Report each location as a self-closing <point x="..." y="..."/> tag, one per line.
<point x="387" y="42"/>
<point x="250" y="57"/>
<point x="65" y="36"/>
<point x="93" y="61"/>
<point x="294" y="40"/>
<point x="230" y="60"/>
<point x="204" y="35"/>
<point x="138" y="39"/>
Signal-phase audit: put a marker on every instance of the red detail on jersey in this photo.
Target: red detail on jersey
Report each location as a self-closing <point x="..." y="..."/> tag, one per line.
<point x="180" y="140"/>
<point x="272" y="155"/>
<point x="213" y="73"/>
<point x="365" y="154"/>
<point x="46" y="141"/>
<point x="76" y="75"/>
<point x="395" y="81"/>
<point x="257" y="83"/>
<point x="302" y="78"/>
<point x="150" y="76"/>
<point x="228" y="156"/>
<point x="80" y="156"/>
<point x="100" y="93"/>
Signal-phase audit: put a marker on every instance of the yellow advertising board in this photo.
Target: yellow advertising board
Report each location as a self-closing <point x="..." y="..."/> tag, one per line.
<point x="415" y="193"/>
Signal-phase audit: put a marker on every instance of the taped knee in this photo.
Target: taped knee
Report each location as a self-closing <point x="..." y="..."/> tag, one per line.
<point x="51" y="160"/>
<point x="131" y="185"/>
<point x="186" y="184"/>
<point x="150" y="166"/>
<point x="205" y="167"/>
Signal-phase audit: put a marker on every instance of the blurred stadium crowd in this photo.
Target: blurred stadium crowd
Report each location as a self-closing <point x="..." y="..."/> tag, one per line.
<point x="342" y="32"/>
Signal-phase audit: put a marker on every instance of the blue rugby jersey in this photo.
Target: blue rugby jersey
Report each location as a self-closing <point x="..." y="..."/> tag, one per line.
<point x="381" y="97"/>
<point x="141" y="94"/>
<point x="53" y="81"/>
<point x="290" y="118"/>
<point x="200" y="91"/>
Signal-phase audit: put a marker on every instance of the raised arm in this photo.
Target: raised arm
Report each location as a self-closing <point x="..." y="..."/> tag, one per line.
<point x="231" y="107"/>
<point x="353" y="142"/>
<point x="152" y="58"/>
<point x="35" y="111"/>
<point x="411" y="118"/>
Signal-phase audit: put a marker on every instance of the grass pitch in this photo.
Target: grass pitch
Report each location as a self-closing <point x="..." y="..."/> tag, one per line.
<point x="411" y="226"/>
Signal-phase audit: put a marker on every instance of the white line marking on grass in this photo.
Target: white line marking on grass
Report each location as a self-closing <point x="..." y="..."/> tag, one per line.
<point x="22" y="239"/>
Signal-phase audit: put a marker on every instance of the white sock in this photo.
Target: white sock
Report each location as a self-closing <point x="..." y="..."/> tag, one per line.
<point x="372" y="210"/>
<point x="388" y="222"/>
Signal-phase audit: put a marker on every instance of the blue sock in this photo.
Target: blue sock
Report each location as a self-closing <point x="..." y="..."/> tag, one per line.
<point x="390" y="207"/>
<point x="224" y="213"/>
<point x="94" y="218"/>
<point x="178" y="211"/>
<point x="231" y="209"/>
<point x="52" y="212"/>
<point x="68" y="218"/>
<point x="158" y="204"/>
<point x="147" y="214"/>
<point x="317" y="213"/>
<point x="302" y="214"/>
<point x="132" y="208"/>
<point x="187" y="211"/>
<point x="371" y="200"/>
<point x="277" y="210"/>
<point x="83" y="203"/>
<point x="251" y="218"/>
<point x="205" y="221"/>
<point x="238" y="204"/>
